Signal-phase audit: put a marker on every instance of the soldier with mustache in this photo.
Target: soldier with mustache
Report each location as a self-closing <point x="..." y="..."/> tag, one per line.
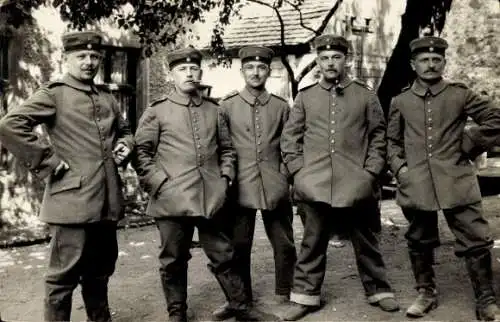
<point x="334" y="145"/>
<point x="185" y="160"/>
<point x="430" y="153"/>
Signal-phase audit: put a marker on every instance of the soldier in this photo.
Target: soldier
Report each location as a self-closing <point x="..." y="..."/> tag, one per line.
<point x="185" y="161"/>
<point x="430" y="153"/>
<point x="256" y="119"/>
<point x="334" y="145"/>
<point x="83" y="199"/>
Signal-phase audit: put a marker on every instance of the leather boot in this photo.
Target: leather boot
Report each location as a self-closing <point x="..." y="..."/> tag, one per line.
<point x="421" y="264"/>
<point x="479" y="267"/>
<point x="175" y="290"/>
<point x="239" y="302"/>
<point x="95" y="298"/>
<point x="223" y="312"/>
<point x="58" y="310"/>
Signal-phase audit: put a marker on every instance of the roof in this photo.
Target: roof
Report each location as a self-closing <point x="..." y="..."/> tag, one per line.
<point x="259" y="24"/>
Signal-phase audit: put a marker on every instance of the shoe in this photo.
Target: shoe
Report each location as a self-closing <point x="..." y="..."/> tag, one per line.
<point x="298" y="311"/>
<point x="282" y="299"/>
<point x="388" y="304"/>
<point x="222" y="313"/>
<point x="253" y="314"/>
<point x="426" y="301"/>
<point x="489" y="313"/>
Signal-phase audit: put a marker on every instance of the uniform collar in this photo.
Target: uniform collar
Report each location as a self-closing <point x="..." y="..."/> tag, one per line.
<point x="342" y="84"/>
<point x="185" y="100"/>
<point x="262" y="99"/>
<point x="419" y="89"/>
<point x="75" y="83"/>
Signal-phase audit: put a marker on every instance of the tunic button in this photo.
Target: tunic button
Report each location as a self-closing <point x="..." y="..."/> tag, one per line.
<point x="98" y="119"/>
<point x="429" y="111"/>
<point x="333" y="122"/>
<point x="36" y="171"/>
<point x="258" y="142"/>
<point x="102" y="128"/>
<point x="429" y="102"/>
<point x="198" y="145"/>
<point x="430" y="155"/>
<point x="430" y="119"/>
<point x="333" y="150"/>
<point x="429" y="128"/>
<point x="256" y="111"/>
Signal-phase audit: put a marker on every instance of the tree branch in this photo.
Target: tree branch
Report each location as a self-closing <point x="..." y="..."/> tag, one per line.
<point x="328" y="16"/>
<point x="301" y="20"/>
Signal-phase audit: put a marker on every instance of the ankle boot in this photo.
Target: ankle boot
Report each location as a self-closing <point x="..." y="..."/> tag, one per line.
<point x="421" y="264"/>
<point x="481" y="276"/>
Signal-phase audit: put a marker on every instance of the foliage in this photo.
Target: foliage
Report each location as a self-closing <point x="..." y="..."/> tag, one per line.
<point x="164" y="22"/>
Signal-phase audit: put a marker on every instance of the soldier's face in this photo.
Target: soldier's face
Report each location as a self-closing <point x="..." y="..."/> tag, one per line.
<point x="255" y="73"/>
<point x="428" y="66"/>
<point x="187" y="77"/>
<point x="331" y="64"/>
<point x="83" y="64"/>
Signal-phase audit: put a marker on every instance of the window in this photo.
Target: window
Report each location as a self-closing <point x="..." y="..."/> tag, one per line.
<point x="119" y="72"/>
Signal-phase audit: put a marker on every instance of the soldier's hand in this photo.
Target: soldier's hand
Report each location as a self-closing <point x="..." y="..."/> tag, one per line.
<point x="403" y="169"/>
<point x="120" y="153"/>
<point x="61" y="168"/>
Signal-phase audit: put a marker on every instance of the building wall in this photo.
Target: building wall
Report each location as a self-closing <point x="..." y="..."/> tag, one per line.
<point x="371" y="50"/>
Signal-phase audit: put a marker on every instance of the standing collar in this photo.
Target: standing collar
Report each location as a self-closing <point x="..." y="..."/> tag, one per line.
<point x="75" y="83"/>
<point x="419" y="89"/>
<point x="342" y="84"/>
<point x="185" y="100"/>
<point x="262" y="99"/>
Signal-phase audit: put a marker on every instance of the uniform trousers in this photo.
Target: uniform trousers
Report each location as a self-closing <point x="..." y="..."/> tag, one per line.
<point x="471" y="230"/>
<point x="311" y="263"/>
<point x="278" y="224"/>
<point x="176" y="234"/>
<point x="84" y="254"/>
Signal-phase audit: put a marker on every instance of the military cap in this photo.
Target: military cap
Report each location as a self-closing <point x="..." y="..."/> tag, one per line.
<point x="331" y="42"/>
<point x="428" y="44"/>
<point x="258" y="53"/>
<point x="78" y="40"/>
<point x="184" y="55"/>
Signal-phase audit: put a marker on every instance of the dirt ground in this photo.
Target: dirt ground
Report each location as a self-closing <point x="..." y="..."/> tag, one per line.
<point x="135" y="292"/>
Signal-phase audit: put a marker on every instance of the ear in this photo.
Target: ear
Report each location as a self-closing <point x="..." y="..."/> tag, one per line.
<point x="412" y="64"/>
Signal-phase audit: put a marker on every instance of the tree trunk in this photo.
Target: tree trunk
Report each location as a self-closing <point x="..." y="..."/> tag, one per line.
<point x="398" y="73"/>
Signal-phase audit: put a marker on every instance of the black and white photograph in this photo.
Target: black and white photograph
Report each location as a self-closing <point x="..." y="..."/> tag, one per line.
<point x="249" y="160"/>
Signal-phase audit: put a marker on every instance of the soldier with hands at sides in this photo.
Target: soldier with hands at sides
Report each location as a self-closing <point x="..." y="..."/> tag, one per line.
<point x="255" y="121"/>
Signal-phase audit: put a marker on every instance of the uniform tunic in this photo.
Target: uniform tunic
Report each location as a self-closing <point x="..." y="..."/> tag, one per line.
<point x="426" y="133"/>
<point x="84" y="124"/>
<point x="255" y="124"/>
<point x="183" y="150"/>
<point x="334" y="143"/>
